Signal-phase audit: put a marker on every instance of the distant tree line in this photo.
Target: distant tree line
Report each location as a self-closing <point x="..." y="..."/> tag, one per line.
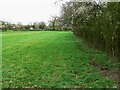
<point x="54" y="25"/>
<point x="19" y="26"/>
<point x="98" y="23"/>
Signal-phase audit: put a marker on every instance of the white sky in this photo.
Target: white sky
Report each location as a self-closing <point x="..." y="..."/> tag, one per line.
<point x="27" y="11"/>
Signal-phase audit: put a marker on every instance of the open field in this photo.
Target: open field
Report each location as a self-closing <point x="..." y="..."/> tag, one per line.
<point x="50" y="59"/>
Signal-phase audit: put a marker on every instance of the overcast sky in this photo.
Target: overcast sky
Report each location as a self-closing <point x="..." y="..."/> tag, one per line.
<point x="27" y="11"/>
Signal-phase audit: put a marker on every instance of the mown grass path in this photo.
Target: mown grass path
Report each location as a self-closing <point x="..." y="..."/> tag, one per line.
<point x="49" y="59"/>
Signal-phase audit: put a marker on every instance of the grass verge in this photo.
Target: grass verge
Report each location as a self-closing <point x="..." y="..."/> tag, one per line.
<point x="50" y="59"/>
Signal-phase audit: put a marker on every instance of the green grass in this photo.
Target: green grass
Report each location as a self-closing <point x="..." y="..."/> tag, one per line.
<point x="49" y="59"/>
<point x="0" y="60"/>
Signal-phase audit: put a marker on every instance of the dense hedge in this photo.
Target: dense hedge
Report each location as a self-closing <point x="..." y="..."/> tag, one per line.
<point x="97" y="24"/>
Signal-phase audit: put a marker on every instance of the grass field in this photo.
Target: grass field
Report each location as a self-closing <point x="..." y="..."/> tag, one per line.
<point x="50" y="59"/>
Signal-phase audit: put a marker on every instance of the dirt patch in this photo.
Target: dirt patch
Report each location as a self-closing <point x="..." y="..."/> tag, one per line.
<point x="111" y="73"/>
